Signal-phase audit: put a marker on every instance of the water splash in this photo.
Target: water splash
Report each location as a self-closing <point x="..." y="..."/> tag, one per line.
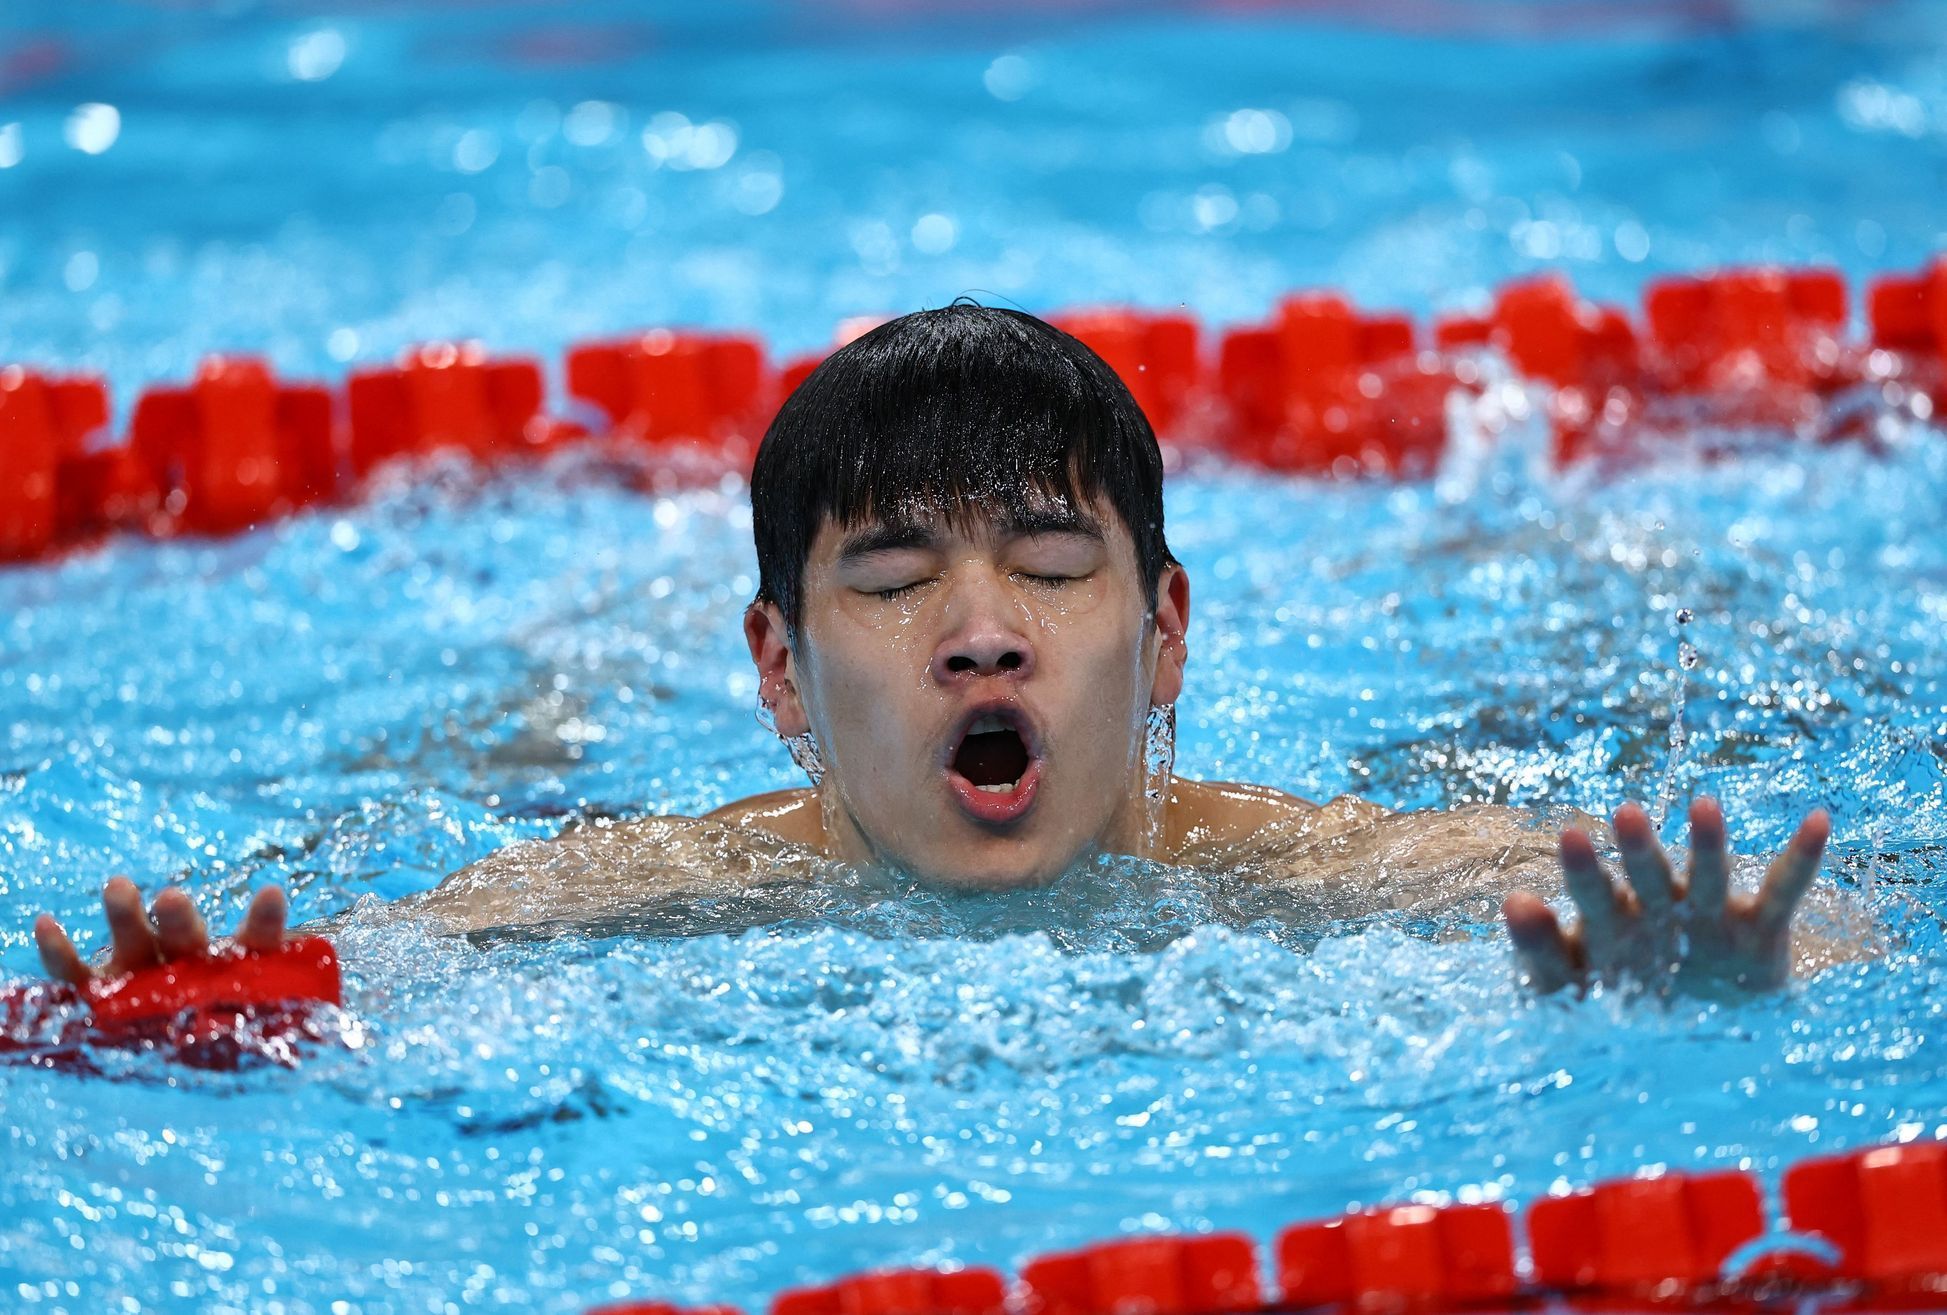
<point x="1679" y="739"/>
<point x="1159" y="769"/>
<point x="803" y="747"/>
<point x="804" y="752"/>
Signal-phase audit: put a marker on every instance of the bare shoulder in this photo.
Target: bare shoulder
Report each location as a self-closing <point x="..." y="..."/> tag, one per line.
<point x="792" y="816"/>
<point x="604" y="869"/>
<point x="1353" y="858"/>
<point x="1231" y="818"/>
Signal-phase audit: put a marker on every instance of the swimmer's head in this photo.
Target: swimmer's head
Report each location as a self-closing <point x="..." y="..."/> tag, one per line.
<point x="965" y="595"/>
<point x="946" y="410"/>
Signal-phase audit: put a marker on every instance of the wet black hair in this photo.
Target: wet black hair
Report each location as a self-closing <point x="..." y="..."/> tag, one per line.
<point x="965" y="410"/>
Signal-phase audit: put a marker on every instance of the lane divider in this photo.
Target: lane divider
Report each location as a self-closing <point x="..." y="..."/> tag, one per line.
<point x="1663" y="1239"/>
<point x="1321" y="388"/>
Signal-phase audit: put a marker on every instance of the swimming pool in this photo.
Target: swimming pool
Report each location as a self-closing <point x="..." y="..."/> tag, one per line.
<point x="360" y="700"/>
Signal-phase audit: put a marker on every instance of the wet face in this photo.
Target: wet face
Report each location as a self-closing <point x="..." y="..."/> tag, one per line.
<point x="978" y="691"/>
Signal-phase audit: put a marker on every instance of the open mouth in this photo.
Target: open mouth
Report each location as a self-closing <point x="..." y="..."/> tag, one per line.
<point x="992" y="755"/>
<point x="994" y="768"/>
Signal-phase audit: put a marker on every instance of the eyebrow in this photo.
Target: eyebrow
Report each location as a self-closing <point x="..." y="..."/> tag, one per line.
<point x="1052" y="520"/>
<point x="886" y="536"/>
<point x="892" y="536"/>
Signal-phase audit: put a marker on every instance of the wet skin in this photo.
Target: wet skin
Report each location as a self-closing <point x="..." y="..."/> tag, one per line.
<point x="913" y="631"/>
<point x="1654" y="926"/>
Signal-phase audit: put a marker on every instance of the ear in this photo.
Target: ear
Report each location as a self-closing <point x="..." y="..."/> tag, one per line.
<point x="770" y="650"/>
<point x="1172" y="623"/>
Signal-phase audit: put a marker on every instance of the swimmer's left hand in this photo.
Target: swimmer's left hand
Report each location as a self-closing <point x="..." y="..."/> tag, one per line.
<point x="1654" y="928"/>
<point x="168" y="930"/>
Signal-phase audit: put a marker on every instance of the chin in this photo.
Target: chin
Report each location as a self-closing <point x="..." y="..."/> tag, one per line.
<point x="1011" y="866"/>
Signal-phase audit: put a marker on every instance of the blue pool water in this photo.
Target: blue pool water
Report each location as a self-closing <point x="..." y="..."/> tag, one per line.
<point x="360" y="701"/>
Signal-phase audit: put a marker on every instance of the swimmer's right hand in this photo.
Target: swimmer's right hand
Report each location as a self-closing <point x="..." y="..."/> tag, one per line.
<point x="168" y="930"/>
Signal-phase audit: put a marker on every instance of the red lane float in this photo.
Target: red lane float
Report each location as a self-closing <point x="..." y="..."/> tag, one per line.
<point x="1157" y="356"/>
<point x="1908" y="313"/>
<point x="1410" y="1255"/>
<point x="1320" y="388"/>
<point x="1664" y="1238"/>
<point x="662" y="387"/>
<point x="448" y="397"/>
<point x="796" y="371"/>
<point x="45" y="424"/>
<point x="232" y="449"/>
<point x="199" y="1009"/>
<point x="1884" y="1208"/>
<point x="901" y="1292"/>
<point x="1644" y="1237"/>
<point x="1908" y="321"/>
<point x="1210" y="1275"/>
<point x="1325" y="390"/>
<point x="1587" y="354"/>
<point x="1752" y="348"/>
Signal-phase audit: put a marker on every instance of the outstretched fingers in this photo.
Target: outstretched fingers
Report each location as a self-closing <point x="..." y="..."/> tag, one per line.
<point x="58" y="955"/>
<point x="1549" y="956"/>
<point x="179" y="928"/>
<point x="131" y="934"/>
<point x="263" y="921"/>
<point x="1588" y="885"/>
<point x="1792" y="872"/>
<point x="1710" y="860"/>
<point x="1643" y="859"/>
<point x="142" y="938"/>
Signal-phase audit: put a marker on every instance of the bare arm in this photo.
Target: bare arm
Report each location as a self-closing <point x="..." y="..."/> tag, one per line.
<point x="608" y="872"/>
<point x="599" y="874"/>
<point x="1699" y="932"/>
<point x="1352" y="858"/>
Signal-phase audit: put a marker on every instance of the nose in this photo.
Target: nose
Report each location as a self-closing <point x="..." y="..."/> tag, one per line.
<point x="984" y="636"/>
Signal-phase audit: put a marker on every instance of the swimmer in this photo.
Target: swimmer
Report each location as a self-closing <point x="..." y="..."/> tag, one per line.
<point x="971" y="633"/>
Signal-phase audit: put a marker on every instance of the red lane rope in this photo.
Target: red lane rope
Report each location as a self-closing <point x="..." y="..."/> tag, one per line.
<point x="1321" y="388"/>
<point x="1670" y="1237"/>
